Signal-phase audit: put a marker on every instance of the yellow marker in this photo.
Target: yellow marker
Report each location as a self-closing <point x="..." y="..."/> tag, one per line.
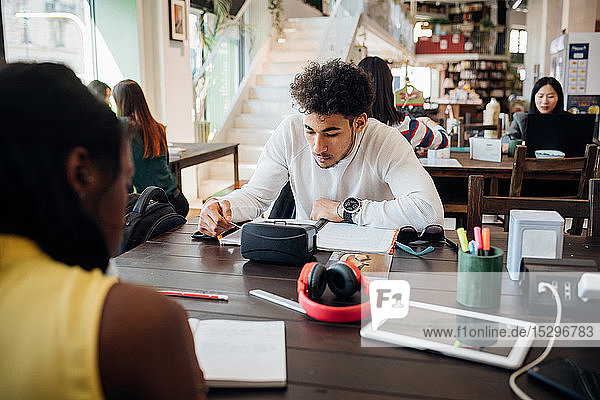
<point x="462" y="238"/>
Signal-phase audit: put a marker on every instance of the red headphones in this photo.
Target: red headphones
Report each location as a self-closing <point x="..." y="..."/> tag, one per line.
<point x="343" y="279"/>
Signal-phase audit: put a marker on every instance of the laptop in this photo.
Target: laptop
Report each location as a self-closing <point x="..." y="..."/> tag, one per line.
<point x="569" y="133"/>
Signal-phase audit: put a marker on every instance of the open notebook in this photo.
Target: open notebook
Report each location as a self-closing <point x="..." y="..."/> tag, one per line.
<point x="240" y="353"/>
<point x="339" y="236"/>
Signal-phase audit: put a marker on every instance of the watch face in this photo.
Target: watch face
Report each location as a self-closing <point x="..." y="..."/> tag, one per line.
<point x="351" y="205"/>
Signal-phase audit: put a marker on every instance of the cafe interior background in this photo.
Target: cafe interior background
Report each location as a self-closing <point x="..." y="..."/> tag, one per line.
<point x="219" y="71"/>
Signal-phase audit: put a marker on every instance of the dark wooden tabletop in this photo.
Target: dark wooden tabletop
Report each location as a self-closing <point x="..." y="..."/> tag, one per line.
<point x="489" y="169"/>
<point x="327" y="361"/>
<point x="197" y="153"/>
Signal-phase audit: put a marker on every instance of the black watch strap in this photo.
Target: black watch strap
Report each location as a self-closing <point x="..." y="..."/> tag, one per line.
<point x="348" y="217"/>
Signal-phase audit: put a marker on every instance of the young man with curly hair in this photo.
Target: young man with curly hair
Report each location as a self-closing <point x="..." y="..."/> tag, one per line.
<point x="341" y="165"/>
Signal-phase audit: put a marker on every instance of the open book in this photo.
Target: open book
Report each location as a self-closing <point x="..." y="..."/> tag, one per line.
<point x="338" y="236"/>
<point x="240" y="353"/>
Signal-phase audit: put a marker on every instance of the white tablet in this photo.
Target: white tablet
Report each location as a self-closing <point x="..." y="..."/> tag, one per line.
<point x="485" y="338"/>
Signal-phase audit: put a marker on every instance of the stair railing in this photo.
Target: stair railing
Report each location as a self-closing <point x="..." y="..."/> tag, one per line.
<point x="218" y="80"/>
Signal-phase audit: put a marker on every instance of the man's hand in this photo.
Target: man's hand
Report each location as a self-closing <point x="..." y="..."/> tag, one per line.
<point x="327" y="209"/>
<point x="215" y="217"/>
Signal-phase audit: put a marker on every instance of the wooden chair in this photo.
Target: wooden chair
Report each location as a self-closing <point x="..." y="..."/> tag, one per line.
<point x="478" y="204"/>
<point x="543" y="167"/>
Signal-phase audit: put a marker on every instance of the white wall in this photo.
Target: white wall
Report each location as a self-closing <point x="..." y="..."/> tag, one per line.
<point x="579" y="15"/>
<point x="543" y="25"/>
<point x="166" y="78"/>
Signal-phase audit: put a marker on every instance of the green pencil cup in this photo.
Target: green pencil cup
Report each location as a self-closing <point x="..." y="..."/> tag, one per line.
<point x="512" y="145"/>
<point x="479" y="279"/>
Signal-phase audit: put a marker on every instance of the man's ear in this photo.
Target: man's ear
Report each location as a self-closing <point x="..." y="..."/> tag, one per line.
<point x="81" y="174"/>
<point x="360" y="122"/>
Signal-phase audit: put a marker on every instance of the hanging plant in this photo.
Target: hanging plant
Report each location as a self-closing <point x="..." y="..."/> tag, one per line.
<point x="276" y="7"/>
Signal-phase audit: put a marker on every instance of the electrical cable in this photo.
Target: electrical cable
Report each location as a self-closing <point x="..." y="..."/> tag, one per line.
<point x="512" y="381"/>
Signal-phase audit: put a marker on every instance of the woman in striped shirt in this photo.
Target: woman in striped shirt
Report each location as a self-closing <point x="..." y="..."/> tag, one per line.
<point x="420" y="132"/>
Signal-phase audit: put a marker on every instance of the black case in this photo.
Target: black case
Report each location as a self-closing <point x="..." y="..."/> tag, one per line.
<point x="279" y="243"/>
<point x="564" y="274"/>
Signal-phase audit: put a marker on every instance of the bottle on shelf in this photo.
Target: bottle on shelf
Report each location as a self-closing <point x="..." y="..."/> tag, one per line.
<point x="490" y="117"/>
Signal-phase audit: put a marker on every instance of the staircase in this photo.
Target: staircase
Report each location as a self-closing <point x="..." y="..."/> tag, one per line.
<point x="269" y="101"/>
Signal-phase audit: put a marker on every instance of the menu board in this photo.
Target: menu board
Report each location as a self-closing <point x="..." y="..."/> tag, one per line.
<point x="578" y="62"/>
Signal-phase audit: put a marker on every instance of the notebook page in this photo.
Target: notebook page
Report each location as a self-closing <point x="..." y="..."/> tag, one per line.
<point x="350" y="237"/>
<point x="241" y="353"/>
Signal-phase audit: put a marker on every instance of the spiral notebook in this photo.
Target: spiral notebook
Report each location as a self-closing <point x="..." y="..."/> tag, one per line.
<point x="240" y="354"/>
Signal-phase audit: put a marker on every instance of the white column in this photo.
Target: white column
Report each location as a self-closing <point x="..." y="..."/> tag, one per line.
<point x="543" y="25"/>
<point x="166" y="78"/>
<point x="579" y="15"/>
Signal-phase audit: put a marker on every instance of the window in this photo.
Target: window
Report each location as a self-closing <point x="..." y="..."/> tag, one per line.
<point x="518" y="41"/>
<point x="50" y="30"/>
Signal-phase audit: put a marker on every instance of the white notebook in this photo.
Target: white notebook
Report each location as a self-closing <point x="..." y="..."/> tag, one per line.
<point x="240" y="353"/>
<point x="339" y="236"/>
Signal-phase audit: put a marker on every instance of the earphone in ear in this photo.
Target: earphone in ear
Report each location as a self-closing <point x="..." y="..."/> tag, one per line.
<point x="343" y="279"/>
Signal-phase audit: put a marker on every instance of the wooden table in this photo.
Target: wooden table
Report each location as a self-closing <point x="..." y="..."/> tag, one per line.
<point x="492" y="172"/>
<point x="327" y="361"/>
<point x="197" y="153"/>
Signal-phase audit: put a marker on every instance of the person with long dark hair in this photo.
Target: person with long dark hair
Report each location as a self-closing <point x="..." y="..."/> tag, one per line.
<point x="101" y="90"/>
<point x="149" y="144"/>
<point x="546" y="98"/>
<point x="420" y="132"/>
<point x="66" y="329"/>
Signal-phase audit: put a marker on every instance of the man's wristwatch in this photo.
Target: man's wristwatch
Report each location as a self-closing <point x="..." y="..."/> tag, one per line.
<point x="351" y="206"/>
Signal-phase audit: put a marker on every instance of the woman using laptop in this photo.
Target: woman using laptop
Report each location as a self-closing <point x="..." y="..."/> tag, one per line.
<point x="68" y="331"/>
<point x="546" y="98"/>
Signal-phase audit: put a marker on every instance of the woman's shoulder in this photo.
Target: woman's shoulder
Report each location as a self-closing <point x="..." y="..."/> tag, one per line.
<point x="520" y="115"/>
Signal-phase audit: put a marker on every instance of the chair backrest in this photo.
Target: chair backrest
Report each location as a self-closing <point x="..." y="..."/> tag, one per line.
<point x="478" y="204"/>
<point x="540" y="167"/>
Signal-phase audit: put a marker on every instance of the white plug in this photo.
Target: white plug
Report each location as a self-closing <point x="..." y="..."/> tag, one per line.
<point x="589" y="286"/>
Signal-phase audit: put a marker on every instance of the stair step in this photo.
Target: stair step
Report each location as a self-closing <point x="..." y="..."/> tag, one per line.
<point x="274" y="79"/>
<point x="271" y="93"/>
<point x="272" y="67"/>
<point x="257" y="121"/>
<point x="250" y="153"/>
<point x="294" y="34"/>
<point x="267" y="107"/>
<point x="208" y="187"/>
<point x="291" y="55"/>
<point x="307" y="23"/>
<point x="248" y="136"/>
<point x="221" y="170"/>
<point x="301" y="44"/>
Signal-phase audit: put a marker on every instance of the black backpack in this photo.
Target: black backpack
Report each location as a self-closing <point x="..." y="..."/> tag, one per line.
<point x="152" y="214"/>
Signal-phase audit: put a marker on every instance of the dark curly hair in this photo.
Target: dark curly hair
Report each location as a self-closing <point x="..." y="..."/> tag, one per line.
<point x="335" y="87"/>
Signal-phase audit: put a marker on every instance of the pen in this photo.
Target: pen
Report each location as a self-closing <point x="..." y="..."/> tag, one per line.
<point x="473" y="247"/>
<point x="477" y="231"/>
<point x="462" y="238"/>
<point x="204" y="296"/>
<point x="320" y="223"/>
<point x="486" y="241"/>
<point x="220" y="237"/>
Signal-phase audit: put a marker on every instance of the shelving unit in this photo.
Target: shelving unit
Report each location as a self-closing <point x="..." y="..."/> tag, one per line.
<point x="486" y="77"/>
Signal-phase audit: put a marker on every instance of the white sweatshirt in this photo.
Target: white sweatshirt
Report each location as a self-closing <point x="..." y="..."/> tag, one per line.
<point x="381" y="169"/>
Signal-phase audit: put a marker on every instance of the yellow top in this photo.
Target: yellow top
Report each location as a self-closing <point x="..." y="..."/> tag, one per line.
<point x="49" y="325"/>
